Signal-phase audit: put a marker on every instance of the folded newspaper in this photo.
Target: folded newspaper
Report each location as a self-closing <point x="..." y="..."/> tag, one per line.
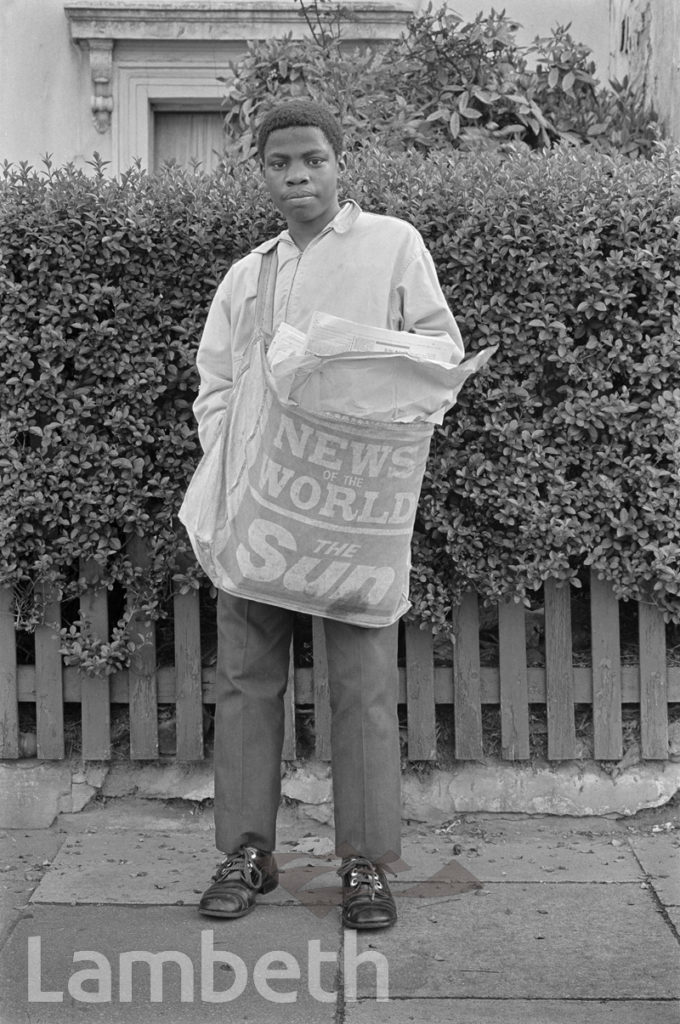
<point x="341" y="367"/>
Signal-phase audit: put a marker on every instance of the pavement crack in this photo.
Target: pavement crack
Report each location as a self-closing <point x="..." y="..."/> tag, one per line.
<point x="660" y="905"/>
<point x="340" y="1009"/>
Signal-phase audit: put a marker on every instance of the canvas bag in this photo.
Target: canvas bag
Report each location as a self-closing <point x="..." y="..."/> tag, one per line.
<point x="307" y="512"/>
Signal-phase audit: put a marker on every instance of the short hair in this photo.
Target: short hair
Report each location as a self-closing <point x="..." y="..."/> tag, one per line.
<point x="301" y="114"/>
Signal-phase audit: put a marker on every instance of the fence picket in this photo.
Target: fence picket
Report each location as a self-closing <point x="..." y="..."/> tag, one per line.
<point x="189" y="686"/>
<point x="322" y="704"/>
<point x="653" y="683"/>
<point x="49" y="696"/>
<point x="559" y="672"/>
<point x="289" y="738"/>
<point x="605" y="685"/>
<point x="143" y="696"/>
<point x="95" y="701"/>
<point x="467" y="702"/>
<point x="9" y="703"/>
<point x="606" y="659"/>
<point x="514" y="681"/>
<point x="420" y="705"/>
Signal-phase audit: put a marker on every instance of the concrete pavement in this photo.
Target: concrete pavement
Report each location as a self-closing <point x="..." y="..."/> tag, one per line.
<point x="503" y="919"/>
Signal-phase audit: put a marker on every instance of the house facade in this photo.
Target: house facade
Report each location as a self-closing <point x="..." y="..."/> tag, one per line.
<point x="139" y="79"/>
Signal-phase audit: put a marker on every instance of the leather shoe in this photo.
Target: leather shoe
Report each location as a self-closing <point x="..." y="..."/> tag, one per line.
<point x="238" y="880"/>
<point x="366" y="898"/>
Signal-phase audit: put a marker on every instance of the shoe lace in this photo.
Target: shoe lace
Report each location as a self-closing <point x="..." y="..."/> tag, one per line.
<point x="361" y="871"/>
<point x="242" y="863"/>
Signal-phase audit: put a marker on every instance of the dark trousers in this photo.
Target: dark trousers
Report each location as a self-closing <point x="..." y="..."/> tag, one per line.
<point x="252" y="671"/>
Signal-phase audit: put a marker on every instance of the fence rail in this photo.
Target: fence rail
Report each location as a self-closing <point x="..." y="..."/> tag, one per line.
<point x="466" y="684"/>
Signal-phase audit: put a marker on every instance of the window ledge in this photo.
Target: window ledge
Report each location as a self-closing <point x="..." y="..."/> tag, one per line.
<point x="212" y="20"/>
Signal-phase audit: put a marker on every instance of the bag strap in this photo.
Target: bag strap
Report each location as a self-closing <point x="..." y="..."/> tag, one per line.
<point x="266" y="285"/>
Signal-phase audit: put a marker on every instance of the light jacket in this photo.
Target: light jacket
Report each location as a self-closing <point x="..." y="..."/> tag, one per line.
<point x="364" y="267"/>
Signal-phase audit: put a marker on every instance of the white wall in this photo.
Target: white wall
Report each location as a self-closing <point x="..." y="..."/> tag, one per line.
<point x="645" y="37"/>
<point x="589" y="21"/>
<point x="45" y="87"/>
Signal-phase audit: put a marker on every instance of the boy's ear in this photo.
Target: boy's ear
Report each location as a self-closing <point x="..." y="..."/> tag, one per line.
<point x="342" y="161"/>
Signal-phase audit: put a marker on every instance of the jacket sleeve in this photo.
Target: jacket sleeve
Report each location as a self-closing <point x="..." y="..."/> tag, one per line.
<point x="424" y="308"/>
<point x="215" y="365"/>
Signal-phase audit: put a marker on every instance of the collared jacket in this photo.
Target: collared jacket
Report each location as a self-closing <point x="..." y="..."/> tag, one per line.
<point x="364" y="267"/>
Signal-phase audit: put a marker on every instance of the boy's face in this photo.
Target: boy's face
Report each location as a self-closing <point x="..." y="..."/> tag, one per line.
<point x="301" y="172"/>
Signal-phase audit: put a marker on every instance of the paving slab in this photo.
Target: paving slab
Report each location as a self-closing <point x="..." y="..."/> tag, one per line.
<point x="531" y="858"/>
<point x="165" y="868"/>
<point x="513" y="1011"/>
<point x="106" y="941"/>
<point x="163" y="865"/>
<point x="660" y="860"/>
<point x="169" y="867"/>
<point x="25" y="856"/>
<point x="128" y="867"/>
<point x="528" y="941"/>
<point x="509" y="919"/>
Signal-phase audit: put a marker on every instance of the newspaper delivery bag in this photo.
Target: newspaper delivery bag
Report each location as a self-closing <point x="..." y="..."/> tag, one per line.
<point x="307" y="512"/>
<point x="304" y="511"/>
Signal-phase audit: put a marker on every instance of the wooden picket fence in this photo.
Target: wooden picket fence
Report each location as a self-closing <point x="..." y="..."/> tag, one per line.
<point x="465" y="686"/>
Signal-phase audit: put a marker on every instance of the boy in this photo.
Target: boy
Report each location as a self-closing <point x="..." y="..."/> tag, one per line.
<point x="375" y="270"/>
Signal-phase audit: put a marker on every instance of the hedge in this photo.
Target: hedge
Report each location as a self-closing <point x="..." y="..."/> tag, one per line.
<point x="563" y="454"/>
